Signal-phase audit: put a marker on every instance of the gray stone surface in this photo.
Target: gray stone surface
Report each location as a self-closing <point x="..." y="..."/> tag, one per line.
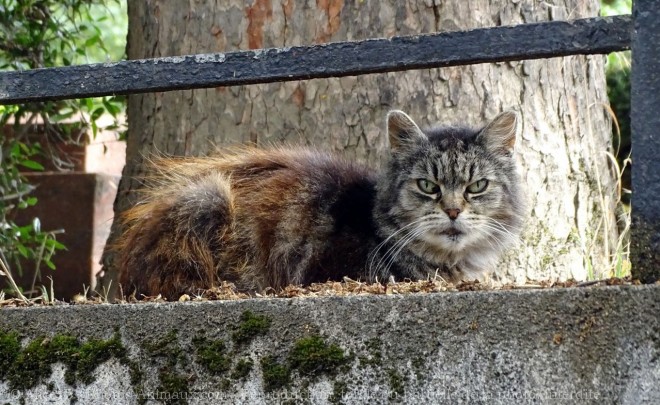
<point x="577" y="345"/>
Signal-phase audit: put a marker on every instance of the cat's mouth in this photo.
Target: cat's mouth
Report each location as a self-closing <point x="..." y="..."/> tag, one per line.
<point x="452" y="232"/>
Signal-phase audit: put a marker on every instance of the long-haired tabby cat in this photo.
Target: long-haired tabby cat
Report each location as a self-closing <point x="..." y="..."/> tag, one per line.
<point x="447" y="203"/>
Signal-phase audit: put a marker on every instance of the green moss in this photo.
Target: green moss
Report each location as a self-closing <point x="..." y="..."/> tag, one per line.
<point x="29" y="366"/>
<point x="242" y="369"/>
<point x="275" y="374"/>
<point x="374" y="357"/>
<point x="251" y="326"/>
<point x="166" y="347"/>
<point x="397" y="383"/>
<point x="338" y="391"/>
<point x="173" y="388"/>
<point x="418" y="366"/>
<point x="211" y="355"/>
<point x="95" y="352"/>
<point x="9" y="349"/>
<point x="312" y="355"/>
<point x="225" y="384"/>
<point x="173" y="383"/>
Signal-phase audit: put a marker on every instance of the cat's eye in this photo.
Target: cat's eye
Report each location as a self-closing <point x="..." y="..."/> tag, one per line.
<point x="428" y="186"/>
<point x="478" y="186"/>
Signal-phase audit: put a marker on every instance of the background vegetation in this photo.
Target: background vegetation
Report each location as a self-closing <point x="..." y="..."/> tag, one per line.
<point x="618" y="90"/>
<point x="36" y="34"/>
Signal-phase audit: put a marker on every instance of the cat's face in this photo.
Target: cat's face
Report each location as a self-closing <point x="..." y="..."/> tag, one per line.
<point x="452" y="191"/>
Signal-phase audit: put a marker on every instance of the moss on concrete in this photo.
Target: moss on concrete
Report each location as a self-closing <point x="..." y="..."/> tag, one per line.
<point x="374" y="355"/>
<point x="166" y="347"/>
<point x="211" y="354"/>
<point x="397" y="383"/>
<point x="24" y="368"/>
<point x="173" y="388"/>
<point x="251" y="326"/>
<point x="339" y="389"/>
<point x="275" y="374"/>
<point x="95" y="352"/>
<point x="313" y="356"/>
<point x="33" y="364"/>
<point x="9" y="350"/>
<point x="242" y="369"/>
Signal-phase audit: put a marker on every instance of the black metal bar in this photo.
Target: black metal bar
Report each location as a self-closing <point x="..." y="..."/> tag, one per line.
<point x="645" y="121"/>
<point x="528" y="41"/>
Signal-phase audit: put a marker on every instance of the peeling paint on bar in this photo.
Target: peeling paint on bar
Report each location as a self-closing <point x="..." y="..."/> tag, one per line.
<point x="168" y="59"/>
<point x="210" y="58"/>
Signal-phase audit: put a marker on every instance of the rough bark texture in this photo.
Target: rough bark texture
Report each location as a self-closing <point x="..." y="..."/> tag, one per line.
<point x="563" y="102"/>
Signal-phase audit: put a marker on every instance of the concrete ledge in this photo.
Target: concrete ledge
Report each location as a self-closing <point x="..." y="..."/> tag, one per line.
<point x="588" y="345"/>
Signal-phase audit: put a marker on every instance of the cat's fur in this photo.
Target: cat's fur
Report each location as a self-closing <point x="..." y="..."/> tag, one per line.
<point x="269" y="218"/>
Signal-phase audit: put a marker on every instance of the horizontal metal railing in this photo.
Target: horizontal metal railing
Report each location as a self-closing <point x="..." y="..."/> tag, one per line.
<point x="527" y="41"/>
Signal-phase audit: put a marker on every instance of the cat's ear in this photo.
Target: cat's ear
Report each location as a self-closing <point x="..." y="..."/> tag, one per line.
<point x="501" y="133"/>
<point x="402" y="130"/>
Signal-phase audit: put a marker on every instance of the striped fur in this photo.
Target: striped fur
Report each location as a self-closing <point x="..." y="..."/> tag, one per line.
<point x="269" y="218"/>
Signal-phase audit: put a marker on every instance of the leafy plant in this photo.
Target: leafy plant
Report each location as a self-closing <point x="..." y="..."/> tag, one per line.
<point x="37" y="34"/>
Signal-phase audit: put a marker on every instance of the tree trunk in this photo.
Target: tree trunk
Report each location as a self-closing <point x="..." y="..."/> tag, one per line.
<point x="571" y="229"/>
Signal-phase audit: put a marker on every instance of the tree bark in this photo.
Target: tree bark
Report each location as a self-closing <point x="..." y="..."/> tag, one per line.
<point x="563" y="101"/>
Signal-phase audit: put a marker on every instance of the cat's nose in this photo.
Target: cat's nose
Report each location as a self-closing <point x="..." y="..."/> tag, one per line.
<point x="452" y="213"/>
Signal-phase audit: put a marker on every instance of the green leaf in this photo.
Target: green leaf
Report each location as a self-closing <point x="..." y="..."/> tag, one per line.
<point x="22" y="250"/>
<point x="31" y="201"/>
<point x="92" y="41"/>
<point x="97" y="113"/>
<point x="50" y="264"/>
<point x="111" y="107"/>
<point x="55" y="244"/>
<point x="31" y="164"/>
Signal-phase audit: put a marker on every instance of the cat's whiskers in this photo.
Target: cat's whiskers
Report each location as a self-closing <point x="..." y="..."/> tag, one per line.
<point x="384" y="257"/>
<point x="403" y="242"/>
<point x="396" y="247"/>
<point x="491" y="233"/>
<point x="506" y="229"/>
<point x="490" y="237"/>
<point x="374" y="253"/>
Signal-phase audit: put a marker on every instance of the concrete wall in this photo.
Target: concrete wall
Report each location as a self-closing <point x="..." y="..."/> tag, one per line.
<point x="587" y="345"/>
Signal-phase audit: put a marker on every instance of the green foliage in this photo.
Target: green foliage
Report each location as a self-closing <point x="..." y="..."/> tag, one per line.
<point x="37" y="34"/>
<point x="24" y="368"/>
<point x="312" y="355"/>
<point x="212" y="355"/>
<point x="10" y="346"/>
<point x="618" y="92"/>
<point x="242" y="369"/>
<point x="275" y="374"/>
<point x="615" y="7"/>
<point x="251" y="325"/>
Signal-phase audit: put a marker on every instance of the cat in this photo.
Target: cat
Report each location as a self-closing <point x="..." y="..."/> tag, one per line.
<point x="447" y="203"/>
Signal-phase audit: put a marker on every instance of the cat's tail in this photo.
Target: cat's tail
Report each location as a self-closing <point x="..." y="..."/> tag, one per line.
<point x="172" y="240"/>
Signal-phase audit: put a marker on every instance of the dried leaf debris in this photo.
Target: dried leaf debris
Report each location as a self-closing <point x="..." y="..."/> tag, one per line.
<point x="347" y="287"/>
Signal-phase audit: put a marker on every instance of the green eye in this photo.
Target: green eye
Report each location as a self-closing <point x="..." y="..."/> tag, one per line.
<point x="427" y="186"/>
<point x="478" y="186"/>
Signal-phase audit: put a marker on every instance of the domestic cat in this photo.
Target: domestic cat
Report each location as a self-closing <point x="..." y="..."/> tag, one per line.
<point x="447" y="203"/>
